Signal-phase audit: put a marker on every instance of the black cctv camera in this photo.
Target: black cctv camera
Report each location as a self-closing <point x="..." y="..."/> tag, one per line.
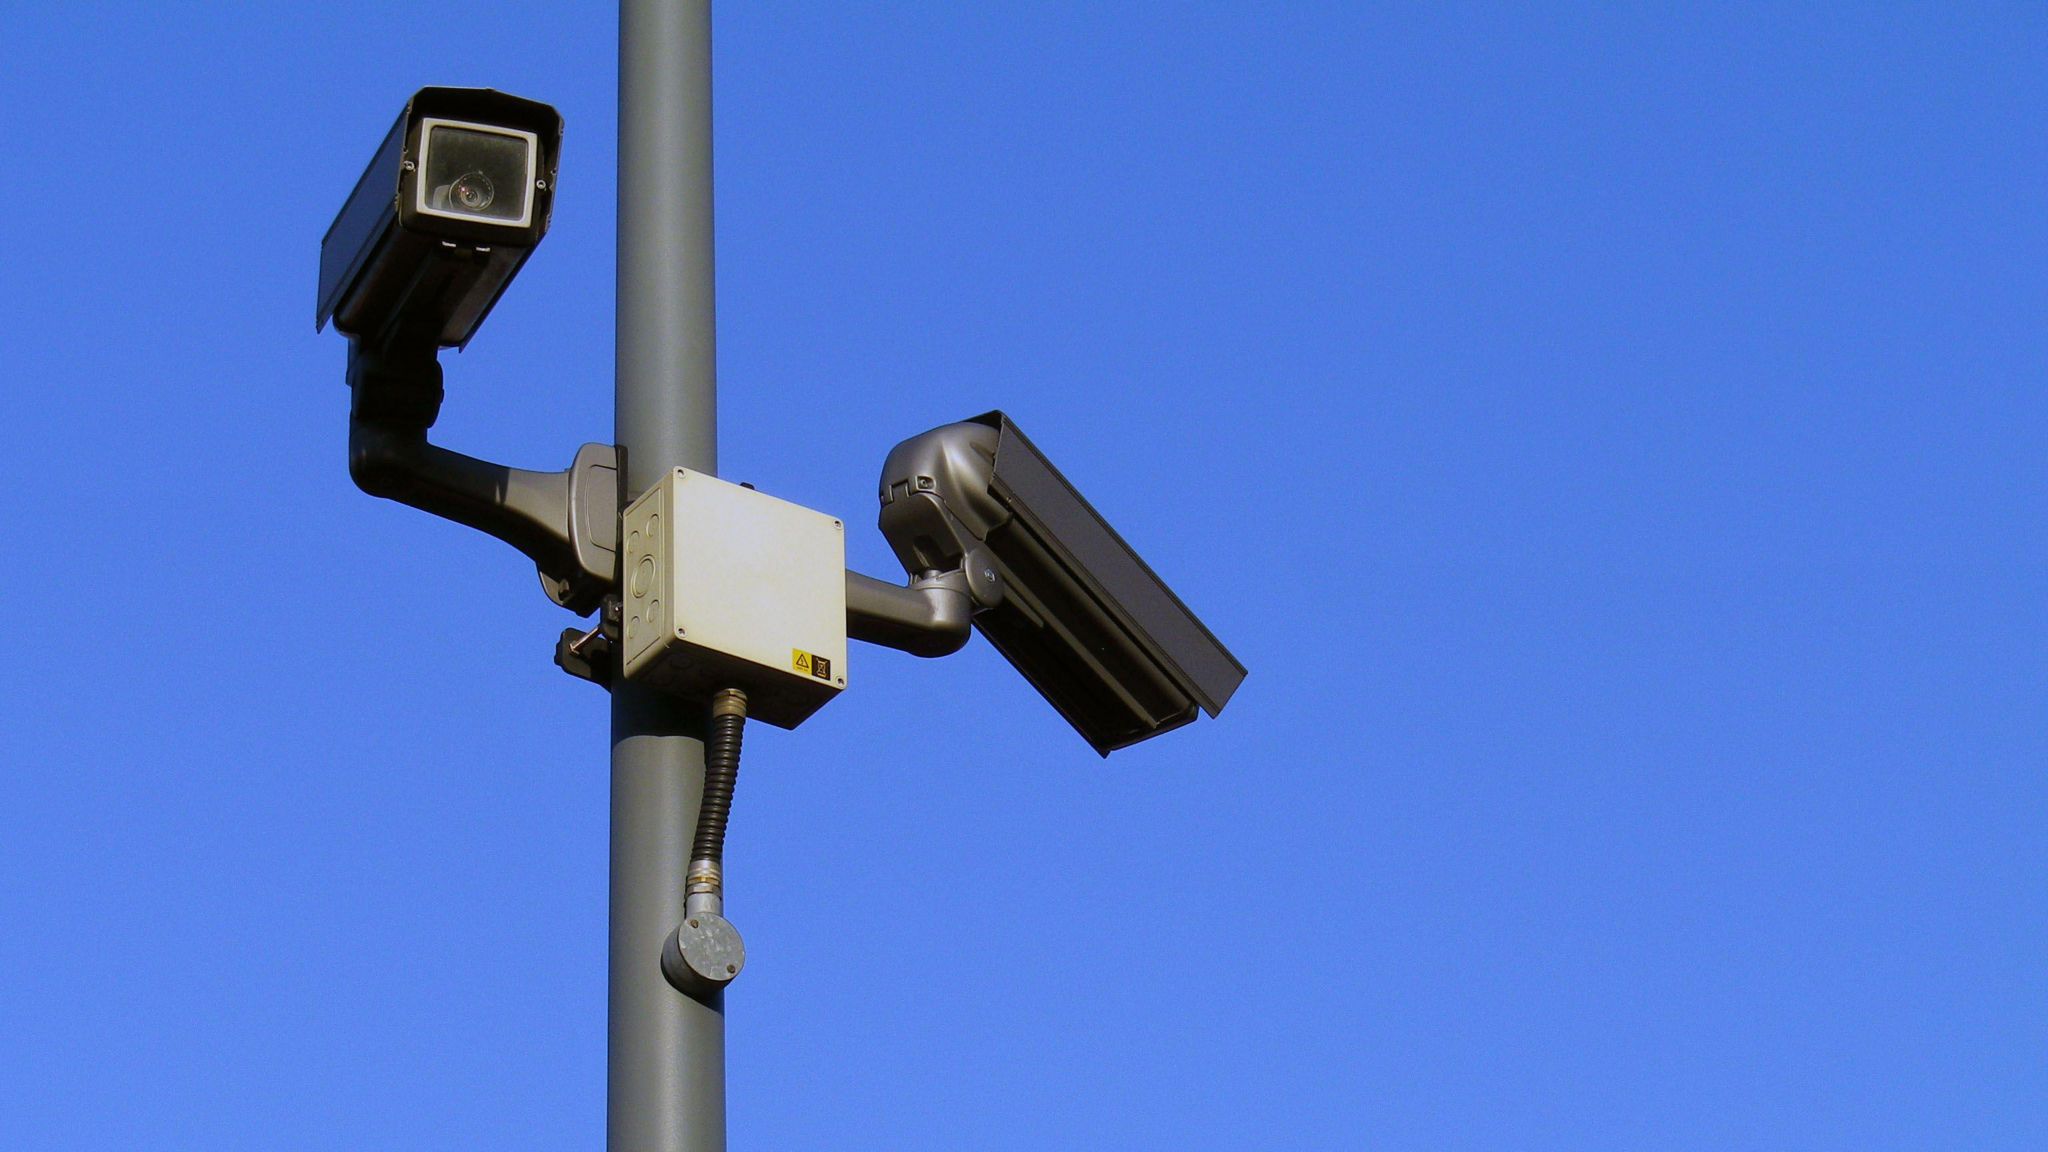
<point x="454" y="201"/>
<point x="1055" y="589"/>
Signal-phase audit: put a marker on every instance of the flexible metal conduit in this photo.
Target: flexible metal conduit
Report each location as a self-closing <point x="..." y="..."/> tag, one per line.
<point x="706" y="891"/>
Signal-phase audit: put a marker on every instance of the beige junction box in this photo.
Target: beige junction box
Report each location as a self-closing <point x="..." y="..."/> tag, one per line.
<point x="726" y="587"/>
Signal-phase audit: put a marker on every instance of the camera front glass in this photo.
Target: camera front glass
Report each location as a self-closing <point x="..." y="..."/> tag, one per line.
<point x="477" y="172"/>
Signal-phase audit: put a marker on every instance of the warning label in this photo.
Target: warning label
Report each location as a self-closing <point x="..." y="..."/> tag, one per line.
<point x="819" y="666"/>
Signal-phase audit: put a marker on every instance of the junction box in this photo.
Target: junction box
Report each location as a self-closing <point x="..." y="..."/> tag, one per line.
<point x="726" y="587"/>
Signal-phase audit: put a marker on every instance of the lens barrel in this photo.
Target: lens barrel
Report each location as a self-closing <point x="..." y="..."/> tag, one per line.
<point x="474" y="191"/>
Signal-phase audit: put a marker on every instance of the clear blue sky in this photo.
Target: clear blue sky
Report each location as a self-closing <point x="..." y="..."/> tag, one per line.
<point x="1612" y="436"/>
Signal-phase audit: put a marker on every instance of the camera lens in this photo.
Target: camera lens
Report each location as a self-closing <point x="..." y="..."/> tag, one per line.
<point x="477" y="172"/>
<point x="474" y="191"/>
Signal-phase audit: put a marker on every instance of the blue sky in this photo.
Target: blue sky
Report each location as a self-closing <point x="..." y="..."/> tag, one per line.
<point x="1611" y="436"/>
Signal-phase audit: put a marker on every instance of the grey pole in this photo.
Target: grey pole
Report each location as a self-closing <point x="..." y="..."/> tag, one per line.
<point x="666" y="1075"/>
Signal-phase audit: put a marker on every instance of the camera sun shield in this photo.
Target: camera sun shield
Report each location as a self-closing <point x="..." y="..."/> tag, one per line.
<point x="450" y="207"/>
<point x="1072" y="607"/>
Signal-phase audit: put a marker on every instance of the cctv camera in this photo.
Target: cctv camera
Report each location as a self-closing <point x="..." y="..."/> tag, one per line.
<point x="1057" y="591"/>
<point x="452" y="204"/>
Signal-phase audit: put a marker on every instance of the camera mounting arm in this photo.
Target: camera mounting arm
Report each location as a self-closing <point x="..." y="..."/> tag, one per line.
<point x="566" y="522"/>
<point x="932" y="617"/>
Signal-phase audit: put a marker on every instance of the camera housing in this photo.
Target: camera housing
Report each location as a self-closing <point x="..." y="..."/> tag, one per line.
<point x="450" y="207"/>
<point x="1056" y="590"/>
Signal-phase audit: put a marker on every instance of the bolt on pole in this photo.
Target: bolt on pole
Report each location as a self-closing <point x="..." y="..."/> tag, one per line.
<point x="666" y="1073"/>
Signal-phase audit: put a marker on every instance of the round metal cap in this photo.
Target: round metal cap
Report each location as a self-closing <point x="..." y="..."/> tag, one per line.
<point x="704" y="951"/>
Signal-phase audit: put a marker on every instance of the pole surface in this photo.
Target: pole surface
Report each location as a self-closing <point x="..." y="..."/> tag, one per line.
<point x="666" y="1052"/>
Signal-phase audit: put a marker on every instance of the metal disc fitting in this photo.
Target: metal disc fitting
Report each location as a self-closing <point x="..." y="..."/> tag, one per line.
<point x="984" y="582"/>
<point x="703" y="954"/>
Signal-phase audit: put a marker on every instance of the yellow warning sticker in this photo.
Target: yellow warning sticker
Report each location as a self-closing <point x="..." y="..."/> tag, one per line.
<point x="809" y="665"/>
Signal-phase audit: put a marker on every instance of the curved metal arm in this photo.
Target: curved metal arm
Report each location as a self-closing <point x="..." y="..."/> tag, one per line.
<point x="566" y="522"/>
<point x="929" y="618"/>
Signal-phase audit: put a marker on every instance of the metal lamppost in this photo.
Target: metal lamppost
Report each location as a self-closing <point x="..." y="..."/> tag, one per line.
<point x="666" y="1074"/>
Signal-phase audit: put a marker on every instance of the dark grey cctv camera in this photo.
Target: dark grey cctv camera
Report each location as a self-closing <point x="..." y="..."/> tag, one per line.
<point x="452" y="204"/>
<point x="1055" y="589"/>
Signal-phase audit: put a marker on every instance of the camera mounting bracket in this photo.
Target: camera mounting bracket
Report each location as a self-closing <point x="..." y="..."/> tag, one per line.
<point x="590" y="653"/>
<point x="929" y="618"/>
<point x="566" y="522"/>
